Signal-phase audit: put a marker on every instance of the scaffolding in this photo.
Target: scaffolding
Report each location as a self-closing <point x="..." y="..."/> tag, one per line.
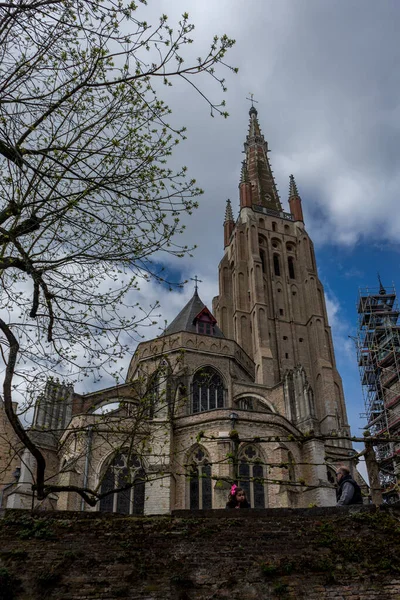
<point x="378" y="349"/>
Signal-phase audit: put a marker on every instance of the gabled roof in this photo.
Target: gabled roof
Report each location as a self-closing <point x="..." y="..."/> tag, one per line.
<point x="185" y="321"/>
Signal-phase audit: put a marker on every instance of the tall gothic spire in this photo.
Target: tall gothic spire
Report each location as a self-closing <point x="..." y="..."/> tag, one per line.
<point x="260" y="175"/>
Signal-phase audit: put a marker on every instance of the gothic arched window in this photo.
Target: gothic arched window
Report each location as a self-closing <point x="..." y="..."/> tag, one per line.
<point x="126" y="475"/>
<point x="291" y="267"/>
<point x="199" y="477"/>
<point x="247" y="403"/>
<point x="277" y="268"/>
<point x="207" y="390"/>
<point x="263" y="261"/>
<point x="251" y="476"/>
<point x="152" y="394"/>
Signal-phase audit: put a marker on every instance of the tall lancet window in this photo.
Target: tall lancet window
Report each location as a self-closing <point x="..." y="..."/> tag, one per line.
<point x="199" y="479"/>
<point x="263" y="261"/>
<point x="207" y="390"/>
<point x="277" y="267"/>
<point x="126" y="476"/>
<point x="291" y="267"/>
<point x="251" y="475"/>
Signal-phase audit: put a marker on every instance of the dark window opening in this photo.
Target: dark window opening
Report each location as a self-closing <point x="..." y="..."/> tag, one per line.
<point x="263" y="262"/>
<point x="281" y="311"/>
<point x="124" y="471"/>
<point x="286" y="355"/>
<point x="206" y="328"/>
<point x="200" y="494"/>
<point x="277" y="269"/>
<point x="246" y="404"/>
<point x="153" y="395"/>
<point x="251" y="477"/>
<point x="273" y="226"/>
<point x="300" y="339"/>
<point x="293" y="293"/>
<point x="285" y="337"/>
<point x="291" y="267"/>
<point x="207" y="391"/>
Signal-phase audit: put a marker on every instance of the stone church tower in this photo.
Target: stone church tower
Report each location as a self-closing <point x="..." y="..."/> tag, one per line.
<point x="247" y="393"/>
<point x="271" y="300"/>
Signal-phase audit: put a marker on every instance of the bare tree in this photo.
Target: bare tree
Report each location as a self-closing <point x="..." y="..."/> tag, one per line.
<point x="87" y="196"/>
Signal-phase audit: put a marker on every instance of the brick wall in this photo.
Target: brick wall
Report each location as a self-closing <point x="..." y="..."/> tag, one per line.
<point x="310" y="554"/>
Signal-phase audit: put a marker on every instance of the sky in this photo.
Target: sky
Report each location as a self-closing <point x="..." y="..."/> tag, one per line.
<point x="326" y="78"/>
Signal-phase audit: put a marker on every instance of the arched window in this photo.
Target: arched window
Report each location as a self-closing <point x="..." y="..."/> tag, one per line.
<point x="251" y="476"/>
<point x="247" y="403"/>
<point x="291" y="267"/>
<point x="277" y="268"/>
<point x="207" y="390"/>
<point x="273" y="226"/>
<point x="199" y="477"/>
<point x="125" y="474"/>
<point x="152" y="395"/>
<point x="263" y="262"/>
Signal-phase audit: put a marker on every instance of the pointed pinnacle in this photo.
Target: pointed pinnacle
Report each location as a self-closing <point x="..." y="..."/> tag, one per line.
<point x="228" y="212"/>
<point x="293" y="191"/>
<point x="382" y="290"/>
<point x="254" y="126"/>
<point x="244" y="174"/>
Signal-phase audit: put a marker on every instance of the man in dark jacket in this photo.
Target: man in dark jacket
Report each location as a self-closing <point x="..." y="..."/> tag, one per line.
<point x="348" y="491"/>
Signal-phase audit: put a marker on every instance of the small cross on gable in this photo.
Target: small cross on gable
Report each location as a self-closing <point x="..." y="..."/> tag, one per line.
<point x="196" y="281"/>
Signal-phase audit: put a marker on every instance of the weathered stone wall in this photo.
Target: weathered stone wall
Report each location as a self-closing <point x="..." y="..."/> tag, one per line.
<point x="9" y="449"/>
<point x="314" y="554"/>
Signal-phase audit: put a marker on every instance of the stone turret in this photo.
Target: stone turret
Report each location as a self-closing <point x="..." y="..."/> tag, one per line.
<point x="229" y="223"/>
<point x="295" y="201"/>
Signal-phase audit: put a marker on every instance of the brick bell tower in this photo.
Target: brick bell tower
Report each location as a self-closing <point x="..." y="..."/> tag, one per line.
<point x="271" y="301"/>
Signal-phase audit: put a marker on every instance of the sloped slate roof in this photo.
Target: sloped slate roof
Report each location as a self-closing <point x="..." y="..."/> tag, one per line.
<point x="184" y="320"/>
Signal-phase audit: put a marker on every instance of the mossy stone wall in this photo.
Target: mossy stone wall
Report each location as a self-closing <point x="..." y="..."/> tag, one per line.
<point x="310" y="554"/>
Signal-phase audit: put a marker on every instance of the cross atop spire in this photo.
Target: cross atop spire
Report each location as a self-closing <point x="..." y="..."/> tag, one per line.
<point x="253" y="108"/>
<point x="196" y="281"/>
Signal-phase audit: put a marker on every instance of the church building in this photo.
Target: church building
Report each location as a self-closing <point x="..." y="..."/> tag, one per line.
<point x="244" y="391"/>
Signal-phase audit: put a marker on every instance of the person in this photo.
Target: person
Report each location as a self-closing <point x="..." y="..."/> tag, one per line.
<point x="348" y="491"/>
<point x="237" y="498"/>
